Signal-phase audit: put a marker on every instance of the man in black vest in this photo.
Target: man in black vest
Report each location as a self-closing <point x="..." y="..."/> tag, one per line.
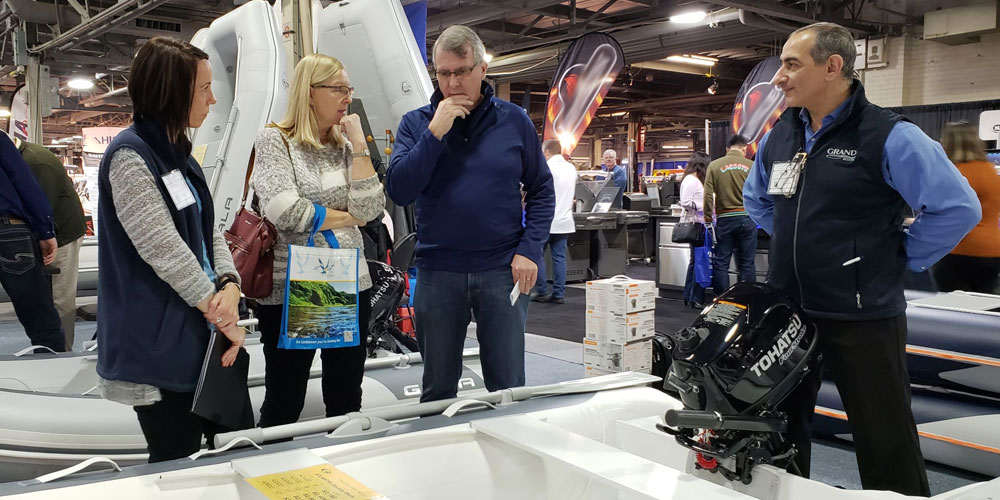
<point x="829" y="185"/>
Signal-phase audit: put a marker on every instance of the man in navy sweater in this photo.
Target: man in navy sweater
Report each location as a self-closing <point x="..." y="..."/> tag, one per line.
<point x="464" y="160"/>
<point x="27" y="244"/>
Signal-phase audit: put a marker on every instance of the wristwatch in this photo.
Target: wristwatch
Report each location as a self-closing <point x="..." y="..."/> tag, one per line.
<point x="364" y="153"/>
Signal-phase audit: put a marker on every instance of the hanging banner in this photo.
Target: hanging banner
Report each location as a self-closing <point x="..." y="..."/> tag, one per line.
<point x="95" y="142"/>
<point x="759" y="103"/>
<point x="582" y="80"/>
<point x="17" y="125"/>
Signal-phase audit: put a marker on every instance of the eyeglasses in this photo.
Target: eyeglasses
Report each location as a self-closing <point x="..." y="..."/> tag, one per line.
<point x="340" y="89"/>
<point x="460" y="72"/>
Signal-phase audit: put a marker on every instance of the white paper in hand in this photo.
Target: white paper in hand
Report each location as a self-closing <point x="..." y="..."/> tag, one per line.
<point x="515" y="293"/>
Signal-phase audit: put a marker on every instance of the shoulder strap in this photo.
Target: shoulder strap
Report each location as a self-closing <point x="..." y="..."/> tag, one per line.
<point x="246" y="181"/>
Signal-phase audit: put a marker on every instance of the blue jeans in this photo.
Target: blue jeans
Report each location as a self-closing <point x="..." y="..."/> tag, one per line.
<point x="737" y="234"/>
<point x="23" y="278"/>
<point x="693" y="292"/>
<point x="444" y="303"/>
<point x="557" y="243"/>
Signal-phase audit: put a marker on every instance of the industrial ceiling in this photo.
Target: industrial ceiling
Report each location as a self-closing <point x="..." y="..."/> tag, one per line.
<point x="98" y="37"/>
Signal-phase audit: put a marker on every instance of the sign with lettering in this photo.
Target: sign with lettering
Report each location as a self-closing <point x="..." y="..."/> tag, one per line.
<point x="989" y="125"/>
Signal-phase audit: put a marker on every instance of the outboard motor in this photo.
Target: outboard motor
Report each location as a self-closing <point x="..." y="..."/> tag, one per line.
<point x="388" y="287"/>
<point x="740" y="358"/>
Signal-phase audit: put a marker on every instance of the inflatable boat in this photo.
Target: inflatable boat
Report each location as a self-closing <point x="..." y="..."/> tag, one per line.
<point x="52" y="414"/>
<point x="374" y="41"/>
<point x="953" y="357"/>
<point x="249" y="80"/>
<point x="583" y="440"/>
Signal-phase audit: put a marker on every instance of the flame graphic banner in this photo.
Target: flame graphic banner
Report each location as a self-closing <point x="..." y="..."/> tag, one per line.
<point x="759" y="103"/>
<point x="585" y="74"/>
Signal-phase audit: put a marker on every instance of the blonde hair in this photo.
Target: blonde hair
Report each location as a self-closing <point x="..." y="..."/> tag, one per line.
<point x="961" y="143"/>
<point x="300" y="123"/>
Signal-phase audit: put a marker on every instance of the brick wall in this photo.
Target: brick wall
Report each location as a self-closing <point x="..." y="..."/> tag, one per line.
<point x="927" y="72"/>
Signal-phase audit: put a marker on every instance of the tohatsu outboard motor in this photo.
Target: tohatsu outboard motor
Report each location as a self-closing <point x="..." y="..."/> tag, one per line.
<point x="741" y="357"/>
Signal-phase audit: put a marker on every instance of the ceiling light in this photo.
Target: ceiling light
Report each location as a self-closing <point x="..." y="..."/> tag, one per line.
<point x="689" y="17"/>
<point x="80" y="84"/>
<point x="4" y="113"/>
<point x="488" y="57"/>
<point x="713" y="88"/>
<point x="694" y="59"/>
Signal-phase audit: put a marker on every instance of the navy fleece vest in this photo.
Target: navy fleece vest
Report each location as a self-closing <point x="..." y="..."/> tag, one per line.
<point x="843" y="211"/>
<point x="147" y="334"/>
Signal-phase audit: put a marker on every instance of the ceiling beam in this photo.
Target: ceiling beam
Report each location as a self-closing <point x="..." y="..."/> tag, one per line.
<point x="770" y="9"/>
<point x="566" y="13"/>
<point x="475" y="14"/>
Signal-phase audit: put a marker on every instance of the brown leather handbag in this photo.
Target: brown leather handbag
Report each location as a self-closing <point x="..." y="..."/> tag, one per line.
<point x="251" y="240"/>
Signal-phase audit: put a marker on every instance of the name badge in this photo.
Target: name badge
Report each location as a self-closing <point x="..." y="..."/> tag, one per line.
<point x="785" y="176"/>
<point x="180" y="192"/>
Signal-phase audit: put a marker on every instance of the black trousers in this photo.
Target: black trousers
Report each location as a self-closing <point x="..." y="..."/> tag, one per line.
<point x="286" y="373"/>
<point x="867" y="360"/>
<point x="172" y="431"/>
<point x="971" y="274"/>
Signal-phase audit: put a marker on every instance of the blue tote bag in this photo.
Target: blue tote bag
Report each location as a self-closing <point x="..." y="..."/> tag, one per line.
<point x="321" y="294"/>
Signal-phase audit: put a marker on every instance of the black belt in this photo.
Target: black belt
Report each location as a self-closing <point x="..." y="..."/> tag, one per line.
<point x="10" y="219"/>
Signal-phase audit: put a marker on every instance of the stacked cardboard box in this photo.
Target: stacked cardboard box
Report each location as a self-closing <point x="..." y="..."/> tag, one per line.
<point x="620" y="324"/>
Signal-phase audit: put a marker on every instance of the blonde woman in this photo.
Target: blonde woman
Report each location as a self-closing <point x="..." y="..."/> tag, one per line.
<point x="316" y="157"/>
<point x="973" y="265"/>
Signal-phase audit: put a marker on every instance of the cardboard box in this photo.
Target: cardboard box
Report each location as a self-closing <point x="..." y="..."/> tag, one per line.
<point x="620" y="328"/>
<point x="631" y="357"/>
<point x="621" y="295"/>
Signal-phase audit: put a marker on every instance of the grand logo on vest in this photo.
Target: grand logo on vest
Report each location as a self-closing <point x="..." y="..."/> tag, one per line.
<point x="845" y="155"/>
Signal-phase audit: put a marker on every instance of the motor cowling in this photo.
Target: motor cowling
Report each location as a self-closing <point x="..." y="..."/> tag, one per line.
<point x="732" y="368"/>
<point x="746" y="351"/>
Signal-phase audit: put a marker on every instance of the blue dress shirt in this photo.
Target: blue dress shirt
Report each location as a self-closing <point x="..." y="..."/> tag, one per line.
<point x="918" y="169"/>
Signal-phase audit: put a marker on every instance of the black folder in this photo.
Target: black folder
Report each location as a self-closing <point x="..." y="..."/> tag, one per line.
<point x="222" y="395"/>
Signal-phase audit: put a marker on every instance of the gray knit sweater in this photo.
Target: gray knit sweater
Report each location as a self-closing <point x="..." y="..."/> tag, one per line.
<point x="146" y="219"/>
<point x="289" y="180"/>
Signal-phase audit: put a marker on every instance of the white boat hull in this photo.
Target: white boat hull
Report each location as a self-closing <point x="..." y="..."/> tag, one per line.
<point x="601" y="446"/>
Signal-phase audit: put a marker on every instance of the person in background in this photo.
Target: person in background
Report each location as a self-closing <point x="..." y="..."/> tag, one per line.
<point x="165" y="271"/>
<point x="564" y="182"/>
<point x="314" y="164"/>
<point x="27" y="243"/>
<point x="67" y="212"/>
<point x="618" y="175"/>
<point x="973" y="265"/>
<point x="692" y="199"/>
<point x="734" y="231"/>
<point x="464" y="159"/>
<point x="829" y="184"/>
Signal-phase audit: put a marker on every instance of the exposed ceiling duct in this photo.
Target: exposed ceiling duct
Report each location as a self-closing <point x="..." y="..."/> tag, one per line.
<point x="32" y="11"/>
<point x="758" y="21"/>
<point x="652" y="41"/>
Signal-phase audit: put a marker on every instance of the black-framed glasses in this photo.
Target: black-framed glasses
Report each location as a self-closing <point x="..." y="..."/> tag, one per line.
<point x="340" y="89"/>
<point x="460" y="72"/>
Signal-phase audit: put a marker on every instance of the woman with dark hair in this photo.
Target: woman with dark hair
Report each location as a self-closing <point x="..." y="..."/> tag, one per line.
<point x="692" y="199"/>
<point x="973" y="265"/>
<point x="166" y="273"/>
